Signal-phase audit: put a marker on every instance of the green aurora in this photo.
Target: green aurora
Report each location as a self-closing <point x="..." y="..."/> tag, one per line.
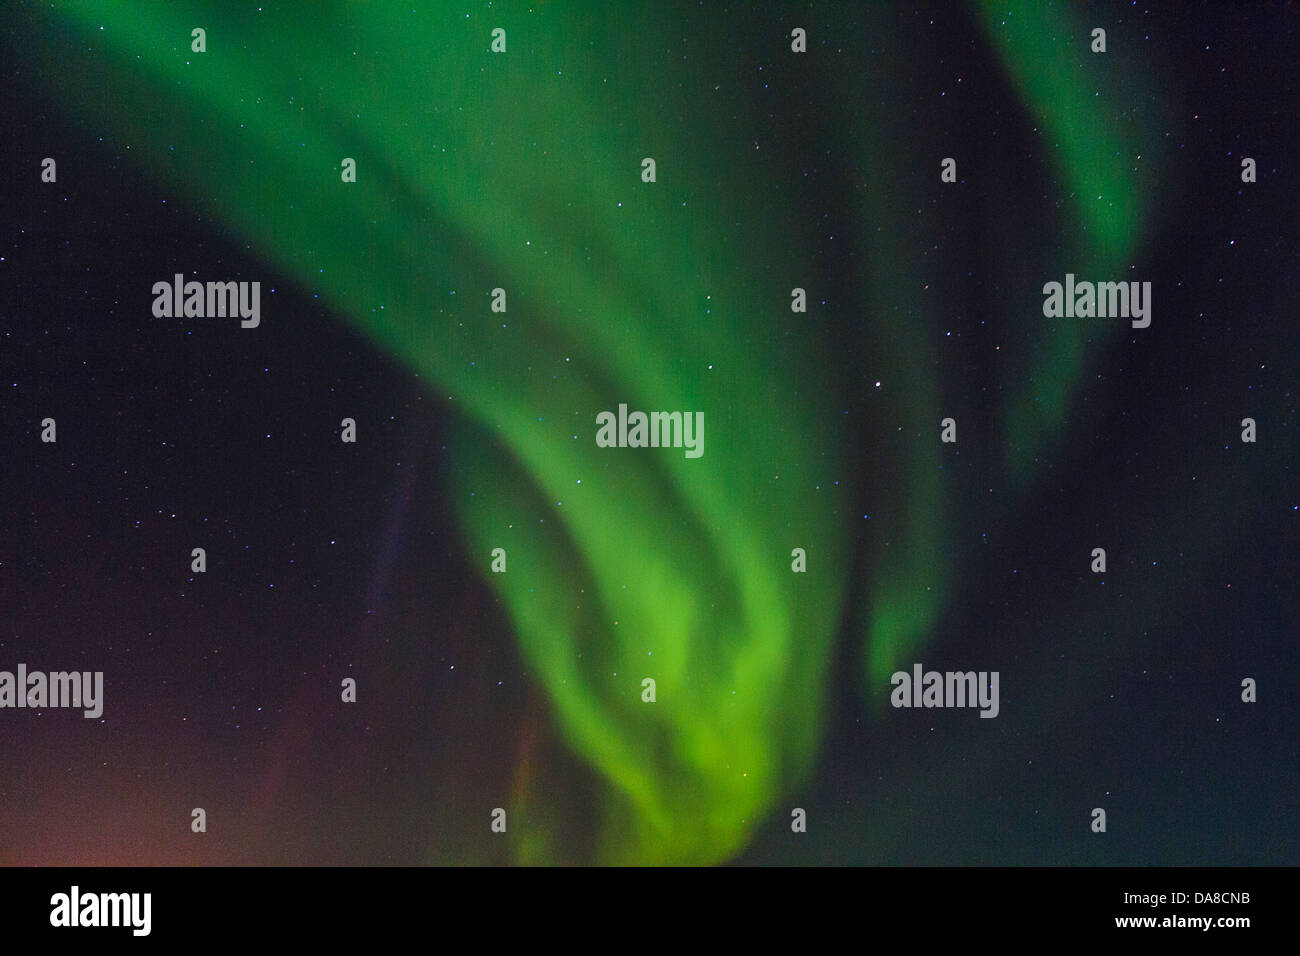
<point x="522" y="171"/>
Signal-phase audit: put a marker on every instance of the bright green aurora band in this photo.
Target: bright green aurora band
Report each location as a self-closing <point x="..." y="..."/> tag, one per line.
<point x="522" y="171"/>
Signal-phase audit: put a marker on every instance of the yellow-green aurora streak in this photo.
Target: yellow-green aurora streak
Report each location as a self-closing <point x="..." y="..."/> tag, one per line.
<point x="478" y="171"/>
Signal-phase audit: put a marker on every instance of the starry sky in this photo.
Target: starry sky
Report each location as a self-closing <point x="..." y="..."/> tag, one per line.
<point x="476" y="430"/>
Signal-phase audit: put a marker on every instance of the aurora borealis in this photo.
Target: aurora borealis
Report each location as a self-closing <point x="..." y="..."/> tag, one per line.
<point x="522" y="171"/>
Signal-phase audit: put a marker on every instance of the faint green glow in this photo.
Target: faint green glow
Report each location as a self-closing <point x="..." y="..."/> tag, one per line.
<point x="1090" y="140"/>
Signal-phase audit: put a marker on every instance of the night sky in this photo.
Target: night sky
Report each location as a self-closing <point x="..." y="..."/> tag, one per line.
<point x="476" y="429"/>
